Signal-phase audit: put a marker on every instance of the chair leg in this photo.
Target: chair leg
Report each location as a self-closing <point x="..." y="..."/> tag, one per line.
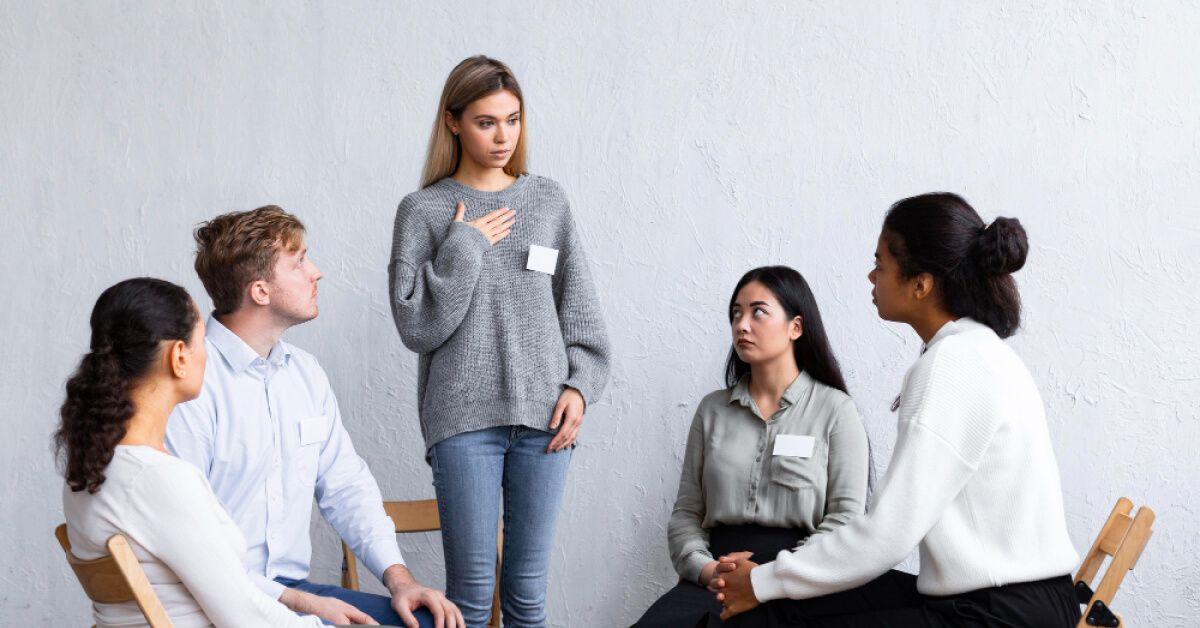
<point x="349" y="569"/>
<point x="1098" y="614"/>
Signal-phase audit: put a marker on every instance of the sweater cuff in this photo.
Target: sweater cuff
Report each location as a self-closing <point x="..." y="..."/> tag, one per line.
<point x="766" y="582"/>
<point x="589" y="393"/>
<point x="469" y="235"/>
<point x="692" y="564"/>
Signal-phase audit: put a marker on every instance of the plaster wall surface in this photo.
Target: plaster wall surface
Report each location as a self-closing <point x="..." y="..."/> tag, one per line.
<point x="696" y="140"/>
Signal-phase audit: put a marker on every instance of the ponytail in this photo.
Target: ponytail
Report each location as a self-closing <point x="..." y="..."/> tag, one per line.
<point x="93" y="419"/>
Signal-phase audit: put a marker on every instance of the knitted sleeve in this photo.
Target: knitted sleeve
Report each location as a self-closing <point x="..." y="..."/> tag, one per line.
<point x="579" y="318"/>
<point x="431" y="282"/>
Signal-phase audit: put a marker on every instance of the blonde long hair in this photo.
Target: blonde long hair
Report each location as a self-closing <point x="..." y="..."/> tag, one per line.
<point x="472" y="79"/>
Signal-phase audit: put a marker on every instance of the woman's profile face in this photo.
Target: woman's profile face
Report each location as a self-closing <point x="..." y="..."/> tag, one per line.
<point x="892" y="291"/>
<point x="762" y="330"/>
<point x="193" y="378"/>
<point x="489" y="129"/>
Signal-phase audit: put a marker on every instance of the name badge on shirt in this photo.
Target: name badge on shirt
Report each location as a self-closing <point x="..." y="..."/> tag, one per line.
<point x="313" y="430"/>
<point x="542" y="259"/>
<point x="793" y="445"/>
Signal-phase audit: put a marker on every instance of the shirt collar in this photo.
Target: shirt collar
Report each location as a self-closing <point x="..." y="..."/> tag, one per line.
<point x="794" y="392"/>
<point x="951" y="328"/>
<point x="237" y="353"/>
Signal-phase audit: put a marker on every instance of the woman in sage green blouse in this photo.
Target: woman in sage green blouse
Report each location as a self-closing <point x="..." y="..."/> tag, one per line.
<point x="779" y="455"/>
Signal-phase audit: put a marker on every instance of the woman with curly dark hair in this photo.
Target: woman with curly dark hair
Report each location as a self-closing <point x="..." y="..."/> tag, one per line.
<point x="147" y="355"/>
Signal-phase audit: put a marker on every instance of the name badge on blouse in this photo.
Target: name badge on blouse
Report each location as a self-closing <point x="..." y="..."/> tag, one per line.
<point x="542" y="259"/>
<point x="793" y="445"/>
<point x="313" y="430"/>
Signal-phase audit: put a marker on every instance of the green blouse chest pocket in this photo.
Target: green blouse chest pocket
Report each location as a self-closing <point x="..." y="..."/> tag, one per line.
<point x="798" y="472"/>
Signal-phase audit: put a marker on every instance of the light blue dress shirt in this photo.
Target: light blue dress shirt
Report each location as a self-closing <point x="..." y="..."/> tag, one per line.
<point x="268" y="435"/>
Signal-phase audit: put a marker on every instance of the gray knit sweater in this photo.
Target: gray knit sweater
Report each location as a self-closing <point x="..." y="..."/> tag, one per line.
<point x="497" y="343"/>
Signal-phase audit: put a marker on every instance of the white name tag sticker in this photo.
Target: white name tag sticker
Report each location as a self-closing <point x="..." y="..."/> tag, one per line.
<point x="794" y="445"/>
<point x="542" y="259"/>
<point x="313" y="430"/>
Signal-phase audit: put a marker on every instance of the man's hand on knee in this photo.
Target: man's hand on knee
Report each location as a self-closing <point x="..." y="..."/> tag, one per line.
<point x="327" y="608"/>
<point x="408" y="595"/>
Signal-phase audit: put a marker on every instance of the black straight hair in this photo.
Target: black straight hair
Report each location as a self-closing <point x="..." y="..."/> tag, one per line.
<point x="971" y="262"/>
<point x="811" y="349"/>
<point x="129" y="323"/>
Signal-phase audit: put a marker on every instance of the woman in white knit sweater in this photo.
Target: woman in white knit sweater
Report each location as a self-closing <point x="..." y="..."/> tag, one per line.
<point x="147" y="355"/>
<point x="972" y="483"/>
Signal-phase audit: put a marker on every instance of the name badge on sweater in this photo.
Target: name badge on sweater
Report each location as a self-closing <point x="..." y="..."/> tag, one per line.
<point x="793" y="445"/>
<point x="313" y="430"/>
<point x="542" y="259"/>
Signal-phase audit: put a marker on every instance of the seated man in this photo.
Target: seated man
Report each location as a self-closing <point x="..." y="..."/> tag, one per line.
<point x="267" y="432"/>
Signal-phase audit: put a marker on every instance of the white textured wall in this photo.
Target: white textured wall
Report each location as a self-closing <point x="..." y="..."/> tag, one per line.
<point x="695" y="140"/>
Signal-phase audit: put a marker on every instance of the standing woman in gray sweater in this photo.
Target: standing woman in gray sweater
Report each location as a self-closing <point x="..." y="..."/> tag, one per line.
<point x="489" y="283"/>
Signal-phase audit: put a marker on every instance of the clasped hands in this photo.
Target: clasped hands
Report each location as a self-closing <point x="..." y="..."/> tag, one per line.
<point x="729" y="578"/>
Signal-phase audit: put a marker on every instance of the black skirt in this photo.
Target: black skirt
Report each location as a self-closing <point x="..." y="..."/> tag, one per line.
<point x="689" y="605"/>
<point x="892" y="601"/>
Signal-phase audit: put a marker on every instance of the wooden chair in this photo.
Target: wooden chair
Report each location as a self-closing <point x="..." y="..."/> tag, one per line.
<point x="420" y="515"/>
<point x="1123" y="537"/>
<point x="116" y="578"/>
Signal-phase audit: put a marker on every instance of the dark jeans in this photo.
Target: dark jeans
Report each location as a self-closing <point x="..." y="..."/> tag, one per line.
<point x="379" y="607"/>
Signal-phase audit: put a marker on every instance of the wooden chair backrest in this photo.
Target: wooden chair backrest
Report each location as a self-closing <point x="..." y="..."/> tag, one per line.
<point x="1122" y="537"/>
<point x="420" y="515"/>
<point x="116" y="578"/>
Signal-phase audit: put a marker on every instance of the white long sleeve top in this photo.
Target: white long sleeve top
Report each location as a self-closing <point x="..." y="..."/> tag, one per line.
<point x="188" y="546"/>
<point x="972" y="481"/>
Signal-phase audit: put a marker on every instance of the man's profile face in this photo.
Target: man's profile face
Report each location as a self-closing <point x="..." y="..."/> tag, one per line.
<point x="294" y="286"/>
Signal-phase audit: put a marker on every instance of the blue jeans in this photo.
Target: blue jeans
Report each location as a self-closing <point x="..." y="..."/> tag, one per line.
<point x="471" y="472"/>
<point x="379" y="607"/>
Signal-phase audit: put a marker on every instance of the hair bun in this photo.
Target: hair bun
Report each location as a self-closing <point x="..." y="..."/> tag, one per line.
<point x="1002" y="247"/>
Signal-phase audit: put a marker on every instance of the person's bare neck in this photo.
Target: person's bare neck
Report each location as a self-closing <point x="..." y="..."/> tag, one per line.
<point x="153" y="402"/>
<point x="770" y="381"/>
<point x="256" y="327"/>
<point x="928" y="323"/>
<point x="479" y="177"/>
